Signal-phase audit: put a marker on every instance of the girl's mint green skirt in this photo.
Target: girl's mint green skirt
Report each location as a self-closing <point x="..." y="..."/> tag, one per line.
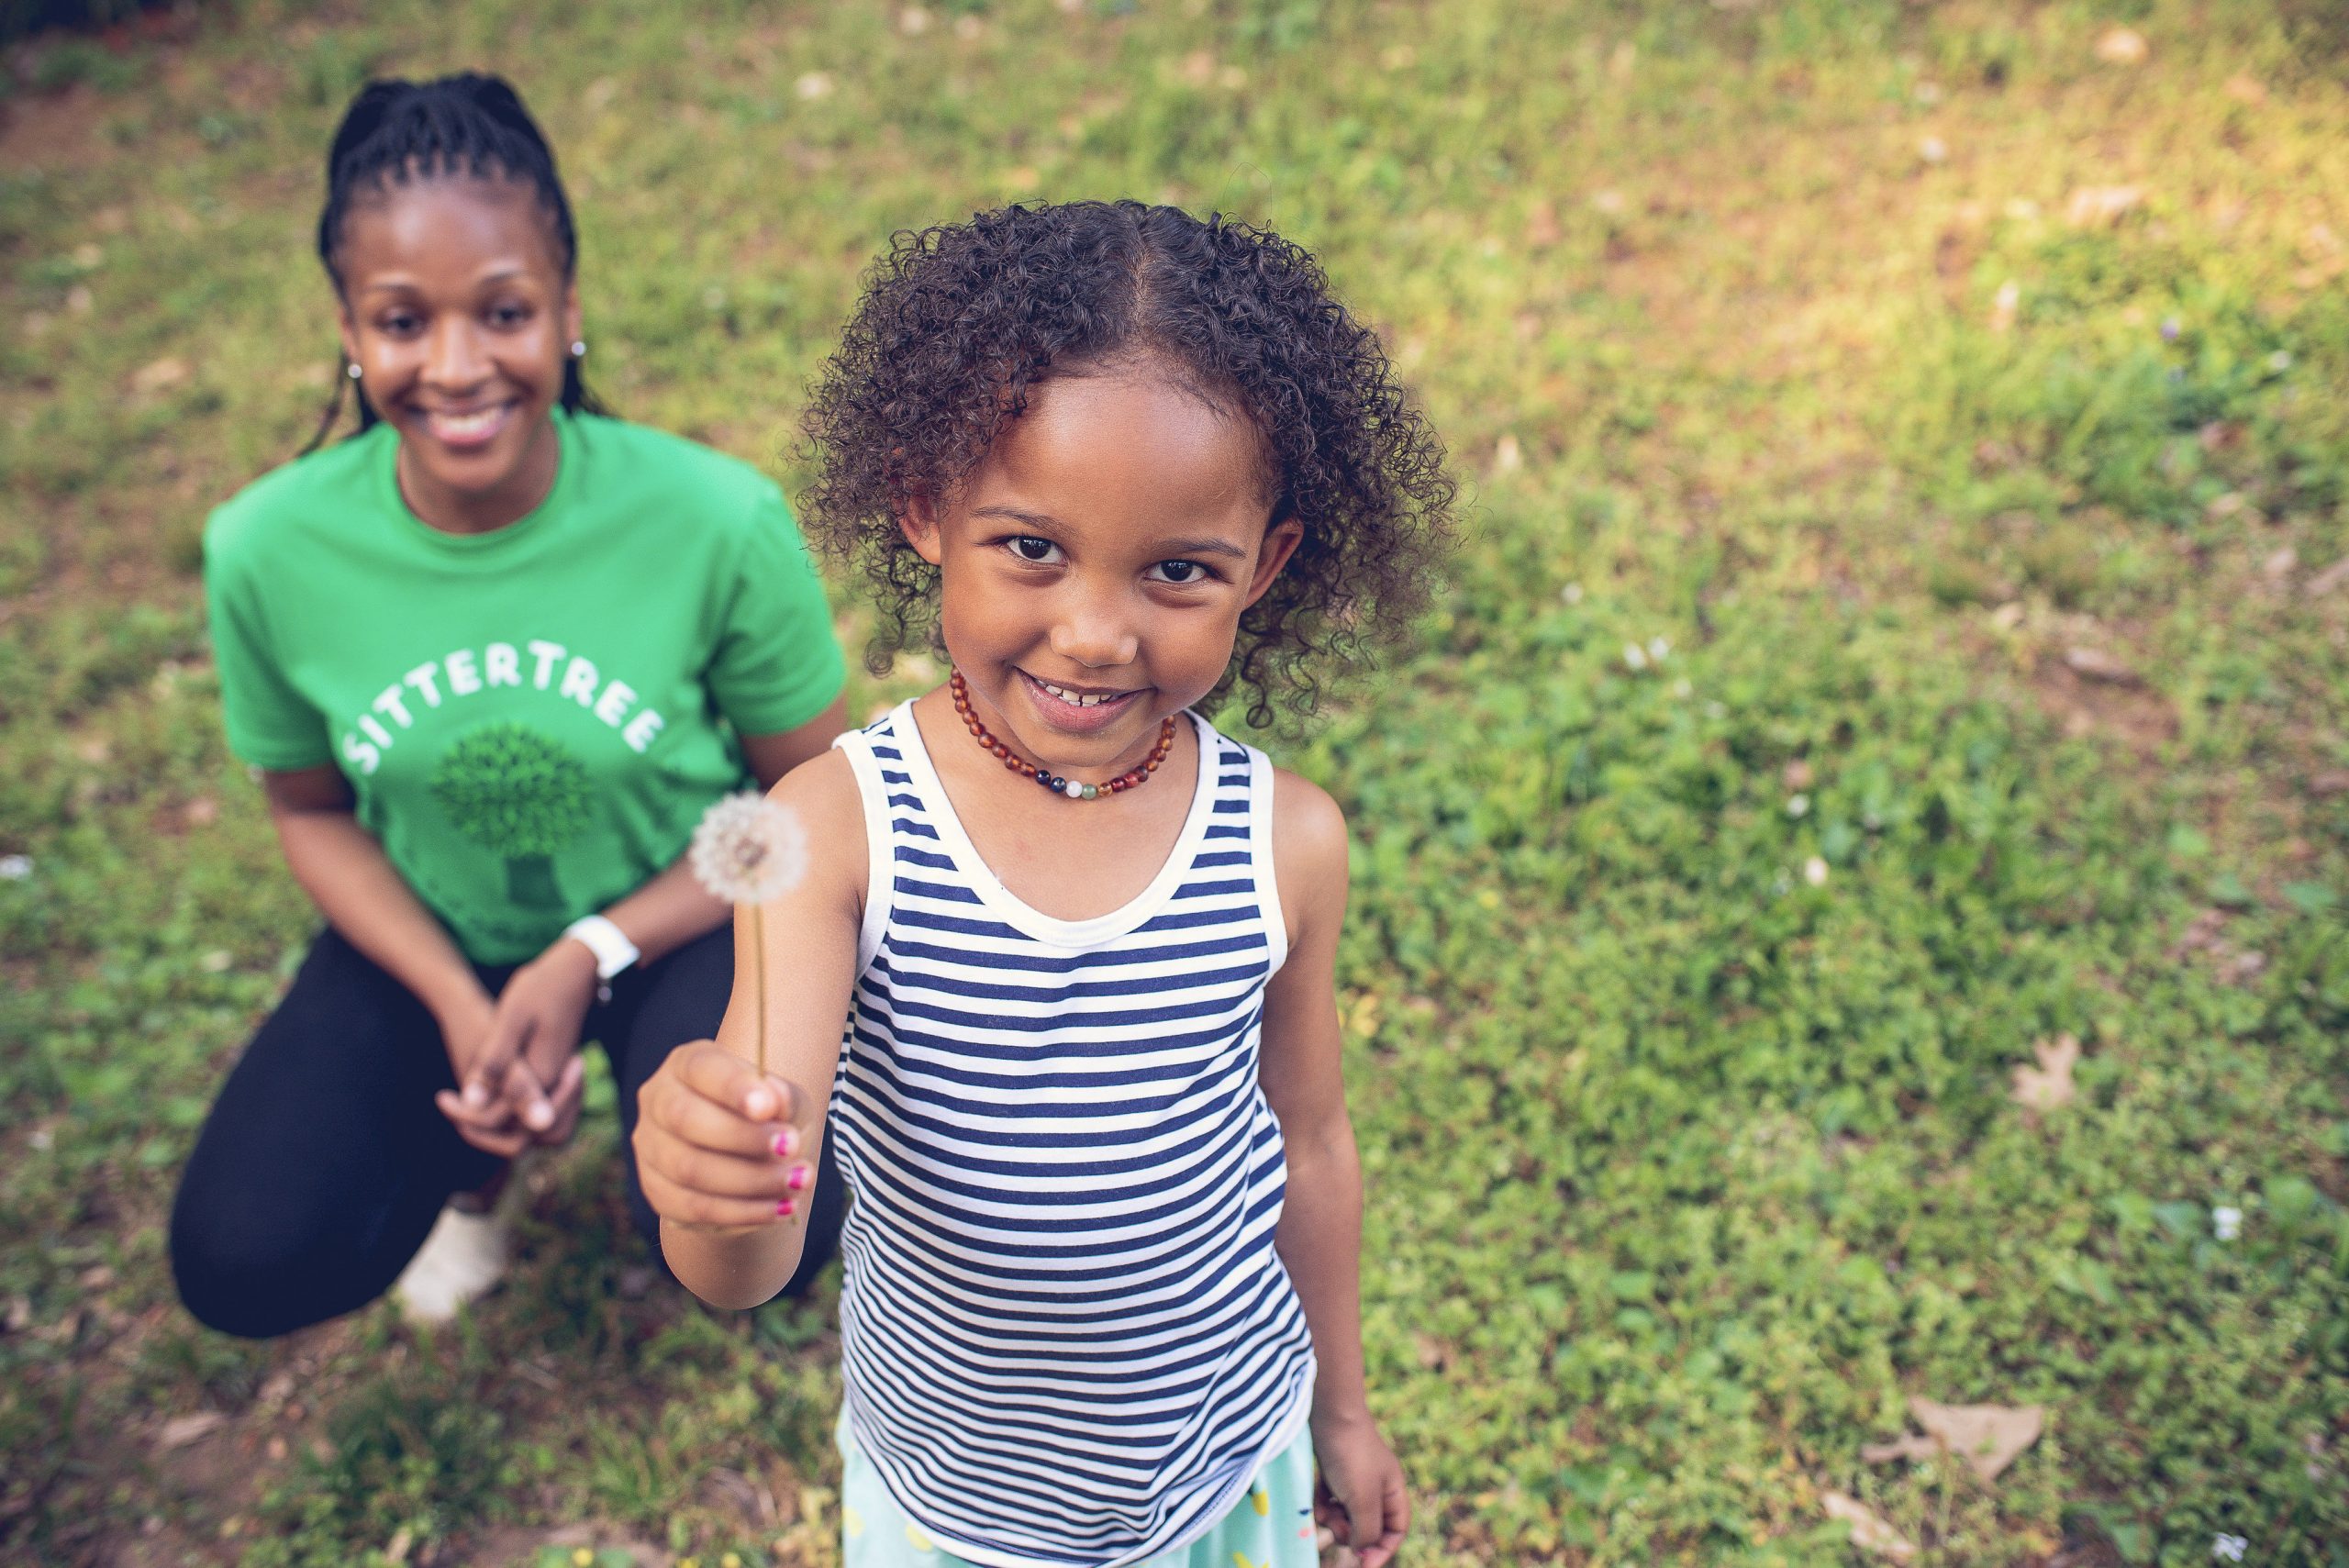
<point x="1270" y="1527"/>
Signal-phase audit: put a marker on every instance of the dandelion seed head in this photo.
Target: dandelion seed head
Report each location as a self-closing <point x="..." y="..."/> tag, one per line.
<point x="1658" y="648"/>
<point x="1798" y="806"/>
<point x="1571" y="593"/>
<point x="1814" y="871"/>
<point x="2226" y="1222"/>
<point x="747" y="849"/>
<point x="1634" y="656"/>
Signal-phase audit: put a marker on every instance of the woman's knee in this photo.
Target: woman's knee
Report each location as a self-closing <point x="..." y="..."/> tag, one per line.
<point x="240" y="1276"/>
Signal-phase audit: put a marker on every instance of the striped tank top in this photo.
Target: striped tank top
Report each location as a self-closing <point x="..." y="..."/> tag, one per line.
<point x="1065" y="1334"/>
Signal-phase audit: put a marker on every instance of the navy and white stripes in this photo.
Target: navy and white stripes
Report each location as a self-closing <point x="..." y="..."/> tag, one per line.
<point x="1065" y="1335"/>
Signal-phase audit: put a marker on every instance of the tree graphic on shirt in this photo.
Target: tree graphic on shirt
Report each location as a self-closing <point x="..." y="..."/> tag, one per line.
<point x="519" y="795"/>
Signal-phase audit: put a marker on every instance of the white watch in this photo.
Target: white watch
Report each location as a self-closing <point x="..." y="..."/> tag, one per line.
<point x="610" y="945"/>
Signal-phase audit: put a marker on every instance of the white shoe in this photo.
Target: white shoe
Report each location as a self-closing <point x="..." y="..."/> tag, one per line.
<point x="463" y="1257"/>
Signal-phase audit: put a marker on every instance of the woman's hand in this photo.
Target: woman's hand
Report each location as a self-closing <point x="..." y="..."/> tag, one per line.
<point x="520" y="1077"/>
<point x="1360" y="1496"/>
<point x="719" y="1148"/>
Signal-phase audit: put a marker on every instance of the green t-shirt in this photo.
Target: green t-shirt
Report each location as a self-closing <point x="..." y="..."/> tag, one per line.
<point x="532" y="719"/>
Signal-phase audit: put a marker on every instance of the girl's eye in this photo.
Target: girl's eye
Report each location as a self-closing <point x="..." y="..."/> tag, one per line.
<point x="1181" y="573"/>
<point x="399" y="324"/>
<point x="508" y="315"/>
<point x="1029" y="548"/>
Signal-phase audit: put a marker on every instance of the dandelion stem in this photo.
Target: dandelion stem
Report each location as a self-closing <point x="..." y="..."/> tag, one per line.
<point x="758" y="980"/>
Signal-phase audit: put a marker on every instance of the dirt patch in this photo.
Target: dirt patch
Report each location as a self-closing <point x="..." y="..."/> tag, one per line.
<point x="56" y="132"/>
<point x="2124" y="709"/>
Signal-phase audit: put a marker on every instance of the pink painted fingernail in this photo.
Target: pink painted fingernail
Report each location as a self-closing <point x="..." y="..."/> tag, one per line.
<point x="798" y="1177"/>
<point x="787" y="1144"/>
<point x="786" y="1206"/>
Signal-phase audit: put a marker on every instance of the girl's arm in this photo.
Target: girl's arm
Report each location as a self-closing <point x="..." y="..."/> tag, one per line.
<point x="727" y="1157"/>
<point x="1319" y="1235"/>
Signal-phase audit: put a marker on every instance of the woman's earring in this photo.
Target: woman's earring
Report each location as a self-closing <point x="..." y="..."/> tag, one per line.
<point x="352" y="370"/>
<point x="579" y="348"/>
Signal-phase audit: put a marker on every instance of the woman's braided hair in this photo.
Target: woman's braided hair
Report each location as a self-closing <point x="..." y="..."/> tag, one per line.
<point x="468" y="125"/>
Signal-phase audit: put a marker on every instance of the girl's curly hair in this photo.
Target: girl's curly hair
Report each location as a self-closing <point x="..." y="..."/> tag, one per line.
<point x="959" y="321"/>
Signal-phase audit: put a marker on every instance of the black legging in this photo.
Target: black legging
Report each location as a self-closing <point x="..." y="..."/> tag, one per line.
<point x="323" y="1162"/>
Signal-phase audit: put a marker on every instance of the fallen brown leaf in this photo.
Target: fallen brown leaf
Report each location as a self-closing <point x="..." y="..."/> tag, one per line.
<point x="2094" y="205"/>
<point x="181" y="1430"/>
<point x="1868" y="1532"/>
<point x="1908" y="1445"/>
<point x="2049" y="1085"/>
<point x="2094" y="664"/>
<point x="1987" y="1437"/>
<point x="160" y="375"/>
<point x="2326" y="580"/>
<point x="2121" y="46"/>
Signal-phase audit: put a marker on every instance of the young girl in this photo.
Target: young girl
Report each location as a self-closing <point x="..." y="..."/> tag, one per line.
<point x="493" y="655"/>
<point x="1101" y="1303"/>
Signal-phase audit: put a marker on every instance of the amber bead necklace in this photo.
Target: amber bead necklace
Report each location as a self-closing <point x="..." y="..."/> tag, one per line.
<point x="1012" y="759"/>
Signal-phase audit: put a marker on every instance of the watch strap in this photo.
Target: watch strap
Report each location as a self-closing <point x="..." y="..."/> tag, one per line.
<point x="610" y="945"/>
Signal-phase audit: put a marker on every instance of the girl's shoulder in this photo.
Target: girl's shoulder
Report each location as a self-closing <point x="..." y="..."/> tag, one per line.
<point x="1309" y="854"/>
<point x="823" y="794"/>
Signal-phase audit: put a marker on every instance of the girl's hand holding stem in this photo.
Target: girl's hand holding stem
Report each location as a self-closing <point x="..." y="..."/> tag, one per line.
<point x="720" y="1146"/>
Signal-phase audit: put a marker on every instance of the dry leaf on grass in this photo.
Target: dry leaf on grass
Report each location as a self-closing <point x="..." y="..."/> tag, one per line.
<point x="2326" y="580"/>
<point x="2093" y="665"/>
<point x="160" y="376"/>
<point x="2121" y="46"/>
<point x="1908" y="1445"/>
<point x="181" y="1430"/>
<point x="2092" y="206"/>
<point x="1987" y="1437"/>
<point x="1868" y="1532"/>
<point x="2049" y="1085"/>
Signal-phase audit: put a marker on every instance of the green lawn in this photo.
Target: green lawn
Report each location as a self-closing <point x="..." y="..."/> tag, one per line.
<point x="1900" y="625"/>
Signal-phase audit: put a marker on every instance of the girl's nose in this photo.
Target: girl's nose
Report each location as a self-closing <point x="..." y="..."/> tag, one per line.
<point x="1094" y="636"/>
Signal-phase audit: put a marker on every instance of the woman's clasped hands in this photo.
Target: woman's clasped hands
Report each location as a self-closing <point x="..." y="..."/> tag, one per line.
<point x="520" y="1072"/>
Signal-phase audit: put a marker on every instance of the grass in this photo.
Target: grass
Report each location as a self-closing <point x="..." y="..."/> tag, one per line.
<point x="1987" y="526"/>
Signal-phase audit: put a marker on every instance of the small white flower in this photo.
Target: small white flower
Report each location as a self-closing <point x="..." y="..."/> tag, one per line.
<point x="1814" y="871"/>
<point x="2226" y="1222"/>
<point x="2281" y="360"/>
<point x="16" y="868"/>
<point x="1798" y="806"/>
<point x="747" y="849"/>
<point x="1571" y="593"/>
<point x="2228" y="1548"/>
<point x="1683" y="688"/>
<point x="1634" y="656"/>
<point x="1658" y="647"/>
